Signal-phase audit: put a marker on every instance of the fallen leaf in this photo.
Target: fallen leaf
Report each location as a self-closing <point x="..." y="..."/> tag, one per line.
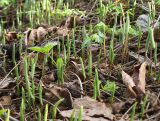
<point x="5" y="100"/>
<point x="5" y="82"/>
<point x="142" y="77"/>
<point x="117" y="107"/>
<point x="34" y="35"/>
<point x="41" y="33"/>
<point x="136" y="84"/>
<point x="77" y="20"/>
<point x="30" y="36"/>
<point x="128" y="81"/>
<point x="62" y="93"/>
<point x="49" y="77"/>
<point x="62" y="31"/>
<point x="11" y="36"/>
<point x="154" y="100"/>
<point x="52" y="29"/>
<point x="92" y="110"/>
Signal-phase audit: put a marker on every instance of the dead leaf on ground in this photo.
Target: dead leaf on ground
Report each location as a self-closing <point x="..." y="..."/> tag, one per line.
<point x="49" y="77"/>
<point x="52" y="29"/>
<point x="70" y="21"/>
<point x="30" y="36"/>
<point x="136" y="84"/>
<point x="117" y="107"/>
<point x="5" y="82"/>
<point x="128" y="81"/>
<point x="92" y="110"/>
<point x="62" y="31"/>
<point x="142" y="76"/>
<point x="74" y="85"/>
<point x="36" y="35"/>
<point x="41" y="33"/>
<point x="11" y="36"/>
<point x="61" y="93"/>
<point x="5" y="100"/>
<point x="154" y="100"/>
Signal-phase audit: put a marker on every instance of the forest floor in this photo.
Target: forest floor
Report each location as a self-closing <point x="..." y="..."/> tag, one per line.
<point x="74" y="60"/>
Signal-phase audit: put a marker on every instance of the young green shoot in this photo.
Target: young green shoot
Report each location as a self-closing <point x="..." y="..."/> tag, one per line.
<point x="96" y="85"/>
<point x="39" y="115"/>
<point x="83" y="68"/>
<point x="80" y="116"/>
<point x="155" y="54"/>
<point x="40" y="94"/>
<point x="8" y="115"/>
<point x="133" y="111"/>
<point x="125" y="36"/>
<point x="22" y="107"/>
<point x="143" y="107"/>
<point x="33" y="63"/>
<point x="90" y="64"/>
<point x="111" y="88"/>
<point x="27" y="80"/>
<point x="46" y="113"/>
<point x="68" y="48"/>
<point x="73" y="43"/>
<point x="60" y="71"/>
<point x="72" y="118"/>
<point x="55" y="109"/>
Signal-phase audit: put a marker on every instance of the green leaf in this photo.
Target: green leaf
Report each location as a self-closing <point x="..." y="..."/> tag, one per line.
<point x="2" y="112"/>
<point x="98" y="37"/>
<point x="132" y="31"/>
<point x="110" y="87"/>
<point x="44" y="49"/>
<point x="100" y="27"/>
<point x="4" y="2"/>
<point x="87" y="41"/>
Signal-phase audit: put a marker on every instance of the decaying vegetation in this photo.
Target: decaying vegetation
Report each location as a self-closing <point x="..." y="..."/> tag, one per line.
<point x="94" y="60"/>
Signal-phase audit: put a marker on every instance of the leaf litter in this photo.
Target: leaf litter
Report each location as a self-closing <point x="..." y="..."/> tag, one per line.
<point x="77" y="91"/>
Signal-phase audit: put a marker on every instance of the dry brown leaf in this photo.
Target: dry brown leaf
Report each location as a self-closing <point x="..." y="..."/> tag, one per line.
<point x="5" y="82"/>
<point x="92" y="110"/>
<point x="139" y="75"/>
<point x="49" y="77"/>
<point x="33" y="35"/>
<point x="62" y="31"/>
<point x="136" y="84"/>
<point x="30" y="36"/>
<point x="128" y="80"/>
<point x="117" y="107"/>
<point x="52" y="29"/>
<point x="41" y="33"/>
<point x="62" y="93"/>
<point x="70" y="21"/>
<point x="11" y="36"/>
<point x="154" y="100"/>
<point x="142" y="77"/>
<point x="5" y="100"/>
